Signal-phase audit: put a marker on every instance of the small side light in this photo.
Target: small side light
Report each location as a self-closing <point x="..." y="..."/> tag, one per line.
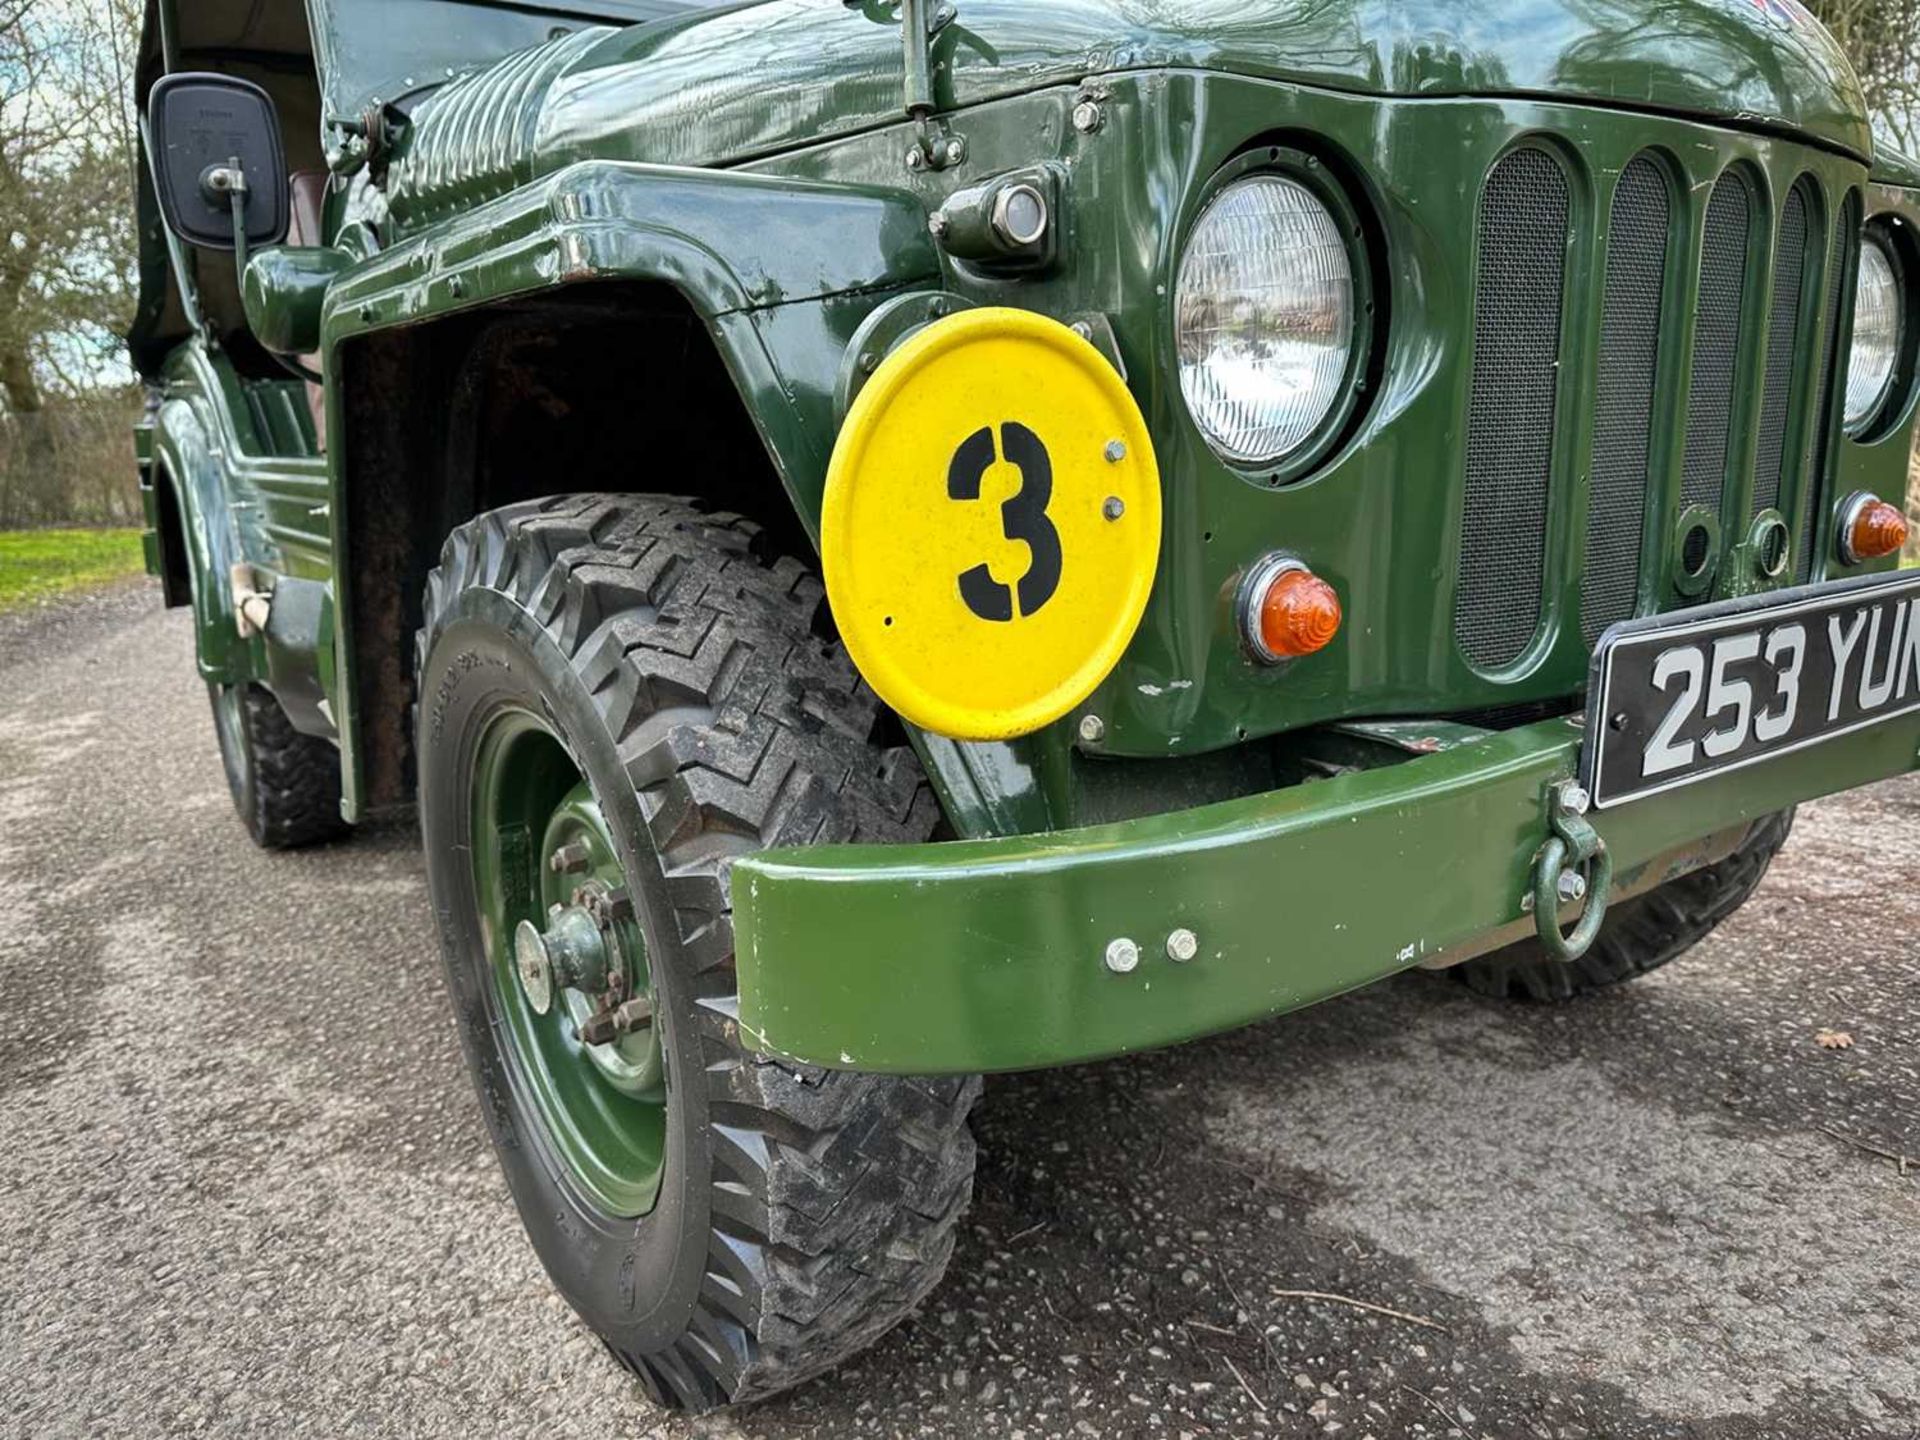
<point x="1869" y="528"/>
<point x="1286" y="611"/>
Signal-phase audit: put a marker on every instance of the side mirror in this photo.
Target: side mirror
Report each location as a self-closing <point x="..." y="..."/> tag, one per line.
<point x="213" y="138"/>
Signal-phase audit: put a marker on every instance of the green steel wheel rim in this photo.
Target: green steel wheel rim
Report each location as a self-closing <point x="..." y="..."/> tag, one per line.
<point x="603" y="1106"/>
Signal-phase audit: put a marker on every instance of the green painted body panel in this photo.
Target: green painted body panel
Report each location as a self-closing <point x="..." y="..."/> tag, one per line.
<point x="727" y="86"/>
<point x="238" y="460"/>
<point x="1381" y="518"/>
<point x="752" y="159"/>
<point x="285" y="290"/>
<point x="988" y="955"/>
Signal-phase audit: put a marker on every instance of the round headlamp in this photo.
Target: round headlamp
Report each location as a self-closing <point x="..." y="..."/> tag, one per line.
<point x="1876" y="333"/>
<point x="1264" y="318"/>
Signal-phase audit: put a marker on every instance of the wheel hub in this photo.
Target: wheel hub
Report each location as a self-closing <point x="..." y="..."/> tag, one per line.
<point x="570" y="954"/>
<point x="571" y="978"/>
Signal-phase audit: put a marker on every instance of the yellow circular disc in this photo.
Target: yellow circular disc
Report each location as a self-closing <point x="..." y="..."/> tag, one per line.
<point x="991" y="524"/>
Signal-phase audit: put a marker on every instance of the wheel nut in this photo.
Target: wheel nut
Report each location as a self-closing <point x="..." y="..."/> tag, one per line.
<point x="1572" y="886"/>
<point x="570" y="859"/>
<point x="1123" y="956"/>
<point x="1182" y="945"/>
<point x="605" y="1025"/>
<point x="1092" y="729"/>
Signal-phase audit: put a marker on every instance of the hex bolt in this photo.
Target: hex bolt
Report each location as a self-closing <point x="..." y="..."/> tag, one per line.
<point x="1114" y="507"/>
<point x="916" y="158"/>
<point x="1572" y="886"/>
<point x="1122" y="956"/>
<point x="1182" y="945"/>
<point x="956" y="150"/>
<point x="1083" y="330"/>
<point x="570" y="859"/>
<point x="1575" y="798"/>
<point x="869" y="361"/>
<point x="1086" y="117"/>
<point x="1116" y="451"/>
<point x="604" y="1025"/>
<point x="1092" y="729"/>
<point x="609" y="906"/>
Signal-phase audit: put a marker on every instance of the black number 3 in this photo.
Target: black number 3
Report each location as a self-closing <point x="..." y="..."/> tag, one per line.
<point x="1023" y="517"/>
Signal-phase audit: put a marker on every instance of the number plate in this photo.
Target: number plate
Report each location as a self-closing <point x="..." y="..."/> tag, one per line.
<point x="1677" y="698"/>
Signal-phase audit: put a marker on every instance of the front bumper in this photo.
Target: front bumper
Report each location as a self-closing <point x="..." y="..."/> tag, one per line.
<point x="989" y="954"/>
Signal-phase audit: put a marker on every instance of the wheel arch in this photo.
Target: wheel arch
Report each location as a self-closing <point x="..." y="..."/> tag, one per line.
<point x="559" y="340"/>
<point x="170" y="531"/>
<point x="188" y="470"/>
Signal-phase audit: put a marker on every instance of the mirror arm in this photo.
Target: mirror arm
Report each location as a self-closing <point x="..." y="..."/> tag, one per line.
<point x="237" y="199"/>
<point x="178" y="259"/>
<point x="169" y="38"/>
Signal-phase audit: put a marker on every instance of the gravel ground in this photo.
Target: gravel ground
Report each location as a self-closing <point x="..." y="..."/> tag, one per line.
<point x="246" y="1189"/>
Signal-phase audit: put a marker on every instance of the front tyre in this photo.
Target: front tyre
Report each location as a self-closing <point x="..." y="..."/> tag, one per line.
<point x="620" y="696"/>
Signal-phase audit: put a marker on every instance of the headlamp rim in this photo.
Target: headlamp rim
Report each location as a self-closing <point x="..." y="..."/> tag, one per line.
<point x="1318" y="178"/>
<point x="1881" y="234"/>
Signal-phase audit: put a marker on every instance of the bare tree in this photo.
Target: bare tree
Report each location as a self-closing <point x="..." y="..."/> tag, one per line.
<point x="66" y="223"/>
<point x="1882" y="38"/>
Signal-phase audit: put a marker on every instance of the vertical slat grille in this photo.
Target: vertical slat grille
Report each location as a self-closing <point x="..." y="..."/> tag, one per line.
<point x="1716" y="342"/>
<point x="1783" y="351"/>
<point x="1510" y="420"/>
<point x="1624" y="394"/>
<point x="1840" y="261"/>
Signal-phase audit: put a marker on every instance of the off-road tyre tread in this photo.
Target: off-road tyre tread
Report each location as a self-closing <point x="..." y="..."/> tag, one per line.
<point x="1639" y="935"/>
<point x="295" y="792"/>
<point x="742" y="724"/>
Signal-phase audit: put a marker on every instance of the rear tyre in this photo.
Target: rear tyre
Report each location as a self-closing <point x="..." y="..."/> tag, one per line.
<point x="619" y="697"/>
<point x="1638" y="935"/>
<point x="285" y="785"/>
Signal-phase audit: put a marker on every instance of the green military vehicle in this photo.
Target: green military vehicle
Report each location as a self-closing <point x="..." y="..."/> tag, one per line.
<point x="900" y="541"/>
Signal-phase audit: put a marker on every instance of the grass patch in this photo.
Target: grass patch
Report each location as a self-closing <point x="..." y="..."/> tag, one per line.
<point x="38" y="564"/>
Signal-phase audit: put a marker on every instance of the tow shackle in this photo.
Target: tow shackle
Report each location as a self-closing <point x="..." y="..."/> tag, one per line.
<point x="1574" y="865"/>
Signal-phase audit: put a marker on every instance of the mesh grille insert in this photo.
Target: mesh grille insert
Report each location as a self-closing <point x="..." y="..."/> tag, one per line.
<point x="1624" y="396"/>
<point x="1716" y="342"/>
<point x="1510" y="417"/>
<point x="1783" y="349"/>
